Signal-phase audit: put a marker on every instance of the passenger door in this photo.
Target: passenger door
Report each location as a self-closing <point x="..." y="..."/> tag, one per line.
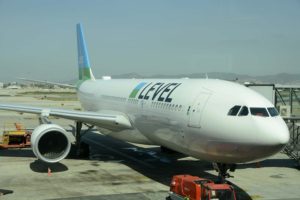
<point x="195" y="111"/>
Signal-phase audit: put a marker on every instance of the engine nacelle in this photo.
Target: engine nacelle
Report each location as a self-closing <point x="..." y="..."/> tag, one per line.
<point x="50" y="143"/>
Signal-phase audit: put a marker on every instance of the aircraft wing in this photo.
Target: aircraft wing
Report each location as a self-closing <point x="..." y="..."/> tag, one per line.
<point x="48" y="83"/>
<point x="108" y="121"/>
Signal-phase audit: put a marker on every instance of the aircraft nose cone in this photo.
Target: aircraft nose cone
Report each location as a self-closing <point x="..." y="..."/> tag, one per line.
<point x="284" y="137"/>
<point x="271" y="139"/>
<point x="275" y="135"/>
<point x="281" y="133"/>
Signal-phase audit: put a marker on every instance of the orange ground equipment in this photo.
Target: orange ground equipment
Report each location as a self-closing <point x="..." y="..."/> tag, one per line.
<point x="15" y="138"/>
<point x="187" y="187"/>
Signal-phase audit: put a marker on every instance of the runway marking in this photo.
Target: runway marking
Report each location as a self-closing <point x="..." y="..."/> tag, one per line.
<point x="120" y="153"/>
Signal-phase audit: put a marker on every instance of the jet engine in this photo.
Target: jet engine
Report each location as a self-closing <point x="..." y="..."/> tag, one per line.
<point x="50" y="143"/>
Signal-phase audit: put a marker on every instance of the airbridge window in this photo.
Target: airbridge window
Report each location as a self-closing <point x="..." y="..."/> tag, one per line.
<point x="234" y="110"/>
<point x="259" y="112"/>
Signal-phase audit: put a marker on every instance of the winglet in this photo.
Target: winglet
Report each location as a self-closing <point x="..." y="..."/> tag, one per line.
<point x="85" y="72"/>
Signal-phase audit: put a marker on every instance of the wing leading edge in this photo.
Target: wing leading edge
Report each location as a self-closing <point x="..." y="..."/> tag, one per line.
<point x="108" y="121"/>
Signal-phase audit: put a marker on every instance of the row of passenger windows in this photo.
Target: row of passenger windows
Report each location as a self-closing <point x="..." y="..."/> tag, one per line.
<point x="113" y="98"/>
<point x="133" y="101"/>
<point x="158" y="105"/>
<point x="244" y="111"/>
<point x="167" y="106"/>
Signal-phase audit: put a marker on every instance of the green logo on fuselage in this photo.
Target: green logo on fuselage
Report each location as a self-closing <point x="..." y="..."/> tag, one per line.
<point x="154" y="91"/>
<point x="136" y="89"/>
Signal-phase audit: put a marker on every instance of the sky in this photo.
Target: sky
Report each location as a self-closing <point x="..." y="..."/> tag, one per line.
<point x="253" y="37"/>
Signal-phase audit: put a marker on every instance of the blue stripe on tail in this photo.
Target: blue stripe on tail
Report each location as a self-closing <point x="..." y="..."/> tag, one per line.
<point x="85" y="72"/>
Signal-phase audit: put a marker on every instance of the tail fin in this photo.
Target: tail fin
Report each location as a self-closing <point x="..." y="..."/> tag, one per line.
<point x="85" y="72"/>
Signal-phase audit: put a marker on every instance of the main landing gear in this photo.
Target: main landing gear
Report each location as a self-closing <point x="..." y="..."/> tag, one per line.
<point x="222" y="169"/>
<point x="82" y="148"/>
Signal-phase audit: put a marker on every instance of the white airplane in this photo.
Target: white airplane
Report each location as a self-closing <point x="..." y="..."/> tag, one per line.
<point x="214" y="120"/>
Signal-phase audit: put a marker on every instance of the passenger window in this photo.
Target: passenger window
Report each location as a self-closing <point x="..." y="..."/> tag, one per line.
<point x="273" y="112"/>
<point x="180" y="107"/>
<point x="234" y="110"/>
<point x="244" y="111"/>
<point x="259" y="112"/>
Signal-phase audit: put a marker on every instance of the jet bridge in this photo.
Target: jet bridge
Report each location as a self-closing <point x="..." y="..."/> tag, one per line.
<point x="286" y="99"/>
<point x="288" y="103"/>
<point x="292" y="149"/>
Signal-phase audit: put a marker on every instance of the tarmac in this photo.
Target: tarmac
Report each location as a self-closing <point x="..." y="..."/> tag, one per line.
<point x="120" y="170"/>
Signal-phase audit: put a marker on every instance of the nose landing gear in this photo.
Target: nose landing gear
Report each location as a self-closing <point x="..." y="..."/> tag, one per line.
<point x="222" y="169"/>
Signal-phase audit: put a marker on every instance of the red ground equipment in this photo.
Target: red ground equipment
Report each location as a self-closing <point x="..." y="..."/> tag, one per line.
<point x="187" y="187"/>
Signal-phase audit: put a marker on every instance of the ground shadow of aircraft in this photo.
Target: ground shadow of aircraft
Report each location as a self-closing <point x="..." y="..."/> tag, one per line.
<point x="150" y="162"/>
<point x="42" y="167"/>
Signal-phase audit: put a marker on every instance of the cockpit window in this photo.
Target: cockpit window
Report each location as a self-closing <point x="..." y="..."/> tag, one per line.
<point x="244" y="111"/>
<point x="259" y="112"/>
<point x="273" y="112"/>
<point x="234" y="110"/>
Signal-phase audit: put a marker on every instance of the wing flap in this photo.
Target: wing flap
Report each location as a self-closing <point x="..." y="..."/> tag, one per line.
<point x="109" y="121"/>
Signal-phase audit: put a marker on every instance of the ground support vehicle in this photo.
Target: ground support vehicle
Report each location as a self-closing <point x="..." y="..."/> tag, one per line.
<point x="187" y="187"/>
<point x="18" y="137"/>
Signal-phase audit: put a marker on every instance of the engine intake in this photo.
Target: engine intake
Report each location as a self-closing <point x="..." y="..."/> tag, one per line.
<point x="50" y="143"/>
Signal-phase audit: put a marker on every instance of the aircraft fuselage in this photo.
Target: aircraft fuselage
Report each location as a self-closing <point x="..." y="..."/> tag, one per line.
<point x="189" y="116"/>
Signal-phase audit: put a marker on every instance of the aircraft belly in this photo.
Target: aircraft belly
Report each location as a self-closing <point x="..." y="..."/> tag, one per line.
<point x="211" y="148"/>
<point x="130" y="135"/>
<point x="162" y="131"/>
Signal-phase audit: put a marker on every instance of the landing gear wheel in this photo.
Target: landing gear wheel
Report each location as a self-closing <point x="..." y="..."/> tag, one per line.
<point x="83" y="149"/>
<point x="222" y="169"/>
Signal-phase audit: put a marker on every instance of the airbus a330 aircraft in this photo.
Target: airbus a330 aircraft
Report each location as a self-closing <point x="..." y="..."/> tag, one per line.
<point x="213" y="120"/>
